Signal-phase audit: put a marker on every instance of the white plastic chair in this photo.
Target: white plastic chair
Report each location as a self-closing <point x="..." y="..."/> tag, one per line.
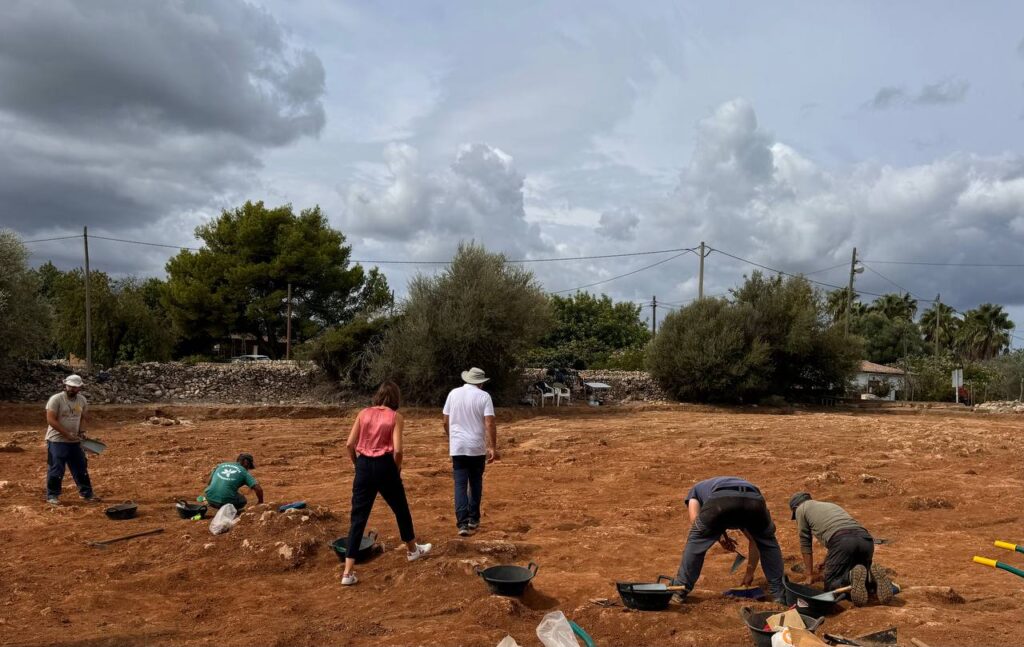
<point x="545" y="392"/>
<point x="561" y="391"/>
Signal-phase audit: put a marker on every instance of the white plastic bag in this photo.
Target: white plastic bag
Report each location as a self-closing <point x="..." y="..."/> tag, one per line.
<point x="224" y="520"/>
<point x="554" y="631"/>
<point x="508" y="641"/>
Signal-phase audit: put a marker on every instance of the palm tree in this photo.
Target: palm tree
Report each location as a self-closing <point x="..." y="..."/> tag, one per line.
<point x="837" y="302"/>
<point x="945" y="328"/>
<point x="896" y="306"/>
<point x="985" y="332"/>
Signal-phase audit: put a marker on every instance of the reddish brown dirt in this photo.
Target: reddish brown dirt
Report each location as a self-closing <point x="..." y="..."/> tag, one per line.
<point x="591" y="496"/>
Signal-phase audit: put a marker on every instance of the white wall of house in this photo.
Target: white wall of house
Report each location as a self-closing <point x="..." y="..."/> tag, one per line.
<point x="863" y="381"/>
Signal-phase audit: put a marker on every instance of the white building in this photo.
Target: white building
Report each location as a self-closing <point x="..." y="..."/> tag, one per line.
<point x="879" y="381"/>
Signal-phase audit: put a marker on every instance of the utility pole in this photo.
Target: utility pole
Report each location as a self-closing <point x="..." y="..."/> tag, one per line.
<point x="700" y="282"/>
<point x="288" y="327"/>
<point x="88" y="305"/>
<point x="654" y="316"/>
<point x="938" y="318"/>
<point x="849" y="291"/>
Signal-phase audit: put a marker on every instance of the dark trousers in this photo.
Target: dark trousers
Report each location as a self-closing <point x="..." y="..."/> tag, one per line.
<point x="846" y="549"/>
<point x="239" y="502"/>
<point x="378" y="474"/>
<point x="469" y="487"/>
<point x="71" y="455"/>
<point x="731" y="510"/>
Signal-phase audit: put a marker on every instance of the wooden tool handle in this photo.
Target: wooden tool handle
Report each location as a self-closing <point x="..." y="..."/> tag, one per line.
<point x="132" y="536"/>
<point x="844" y="589"/>
<point x="676" y="588"/>
<point x="917" y="643"/>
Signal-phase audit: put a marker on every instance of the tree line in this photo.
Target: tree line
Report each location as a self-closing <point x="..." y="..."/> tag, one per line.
<point x="772" y="337"/>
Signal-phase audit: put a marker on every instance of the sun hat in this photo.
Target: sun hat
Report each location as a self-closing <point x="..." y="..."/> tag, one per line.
<point x="74" y="380"/>
<point x="474" y="376"/>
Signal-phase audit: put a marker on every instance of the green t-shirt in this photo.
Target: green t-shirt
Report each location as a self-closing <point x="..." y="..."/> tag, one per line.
<point x="225" y="481"/>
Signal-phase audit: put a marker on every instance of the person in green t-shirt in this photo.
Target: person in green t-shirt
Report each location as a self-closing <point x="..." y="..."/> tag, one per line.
<point x="227" y="478"/>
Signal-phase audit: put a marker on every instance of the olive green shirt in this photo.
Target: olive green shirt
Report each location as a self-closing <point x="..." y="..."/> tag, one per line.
<point x="821" y="519"/>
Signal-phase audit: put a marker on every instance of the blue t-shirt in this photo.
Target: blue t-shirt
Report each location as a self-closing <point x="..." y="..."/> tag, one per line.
<point x="702" y="491"/>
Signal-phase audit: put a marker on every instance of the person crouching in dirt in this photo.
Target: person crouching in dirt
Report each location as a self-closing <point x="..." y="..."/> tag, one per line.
<point x="729" y="503"/>
<point x="851" y="549"/>
<point x="227" y="478"/>
<point x="375" y="447"/>
<point x="65" y="417"/>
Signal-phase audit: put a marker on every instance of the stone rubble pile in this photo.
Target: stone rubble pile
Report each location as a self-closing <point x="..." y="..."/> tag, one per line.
<point x="1004" y="406"/>
<point x="277" y="382"/>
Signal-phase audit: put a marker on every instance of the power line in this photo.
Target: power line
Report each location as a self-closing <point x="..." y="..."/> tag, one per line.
<point x="139" y="242"/>
<point x="46" y="240"/>
<point x="622" y="276"/>
<point x="826" y="269"/>
<point x="874" y="271"/>
<point x="932" y="264"/>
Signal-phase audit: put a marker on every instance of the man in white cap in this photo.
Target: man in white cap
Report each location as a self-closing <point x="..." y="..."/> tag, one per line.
<point x="65" y="416"/>
<point x="473" y="442"/>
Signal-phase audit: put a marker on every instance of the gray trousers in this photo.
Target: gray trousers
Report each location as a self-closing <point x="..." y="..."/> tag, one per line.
<point x="731" y="510"/>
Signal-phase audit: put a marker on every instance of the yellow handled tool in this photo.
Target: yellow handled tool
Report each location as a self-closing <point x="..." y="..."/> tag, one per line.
<point x="984" y="561"/>
<point x="1008" y="546"/>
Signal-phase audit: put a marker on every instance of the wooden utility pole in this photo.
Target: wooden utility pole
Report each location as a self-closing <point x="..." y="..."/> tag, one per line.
<point x="88" y="305"/>
<point x="938" y="318"/>
<point x="654" y="316"/>
<point x="849" y="291"/>
<point x="288" y="327"/>
<point x="700" y="281"/>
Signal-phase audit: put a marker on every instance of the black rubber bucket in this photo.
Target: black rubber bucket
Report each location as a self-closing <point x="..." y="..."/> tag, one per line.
<point x="761" y="636"/>
<point x="508" y="580"/>
<point x="645" y="596"/>
<point x="800" y="596"/>
<point x="340" y="546"/>
<point x="122" y="511"/>
<point x="188" y="510"/>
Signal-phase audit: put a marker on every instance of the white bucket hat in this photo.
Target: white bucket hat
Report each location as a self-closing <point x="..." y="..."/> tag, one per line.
<point x="74" y="380"/>
<point x="474" y="376"/>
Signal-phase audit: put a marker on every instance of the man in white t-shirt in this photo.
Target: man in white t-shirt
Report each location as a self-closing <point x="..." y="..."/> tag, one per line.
<point x="65" y="417"/>
<point x="473" y="442"/>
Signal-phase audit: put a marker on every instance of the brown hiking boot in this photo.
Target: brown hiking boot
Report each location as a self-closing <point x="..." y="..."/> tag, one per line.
<point x="859" y="582"/>
<point x="883" y="585"/>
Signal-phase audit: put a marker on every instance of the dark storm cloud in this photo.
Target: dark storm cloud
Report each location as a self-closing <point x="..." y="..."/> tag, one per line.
<point x="116" y="113"/>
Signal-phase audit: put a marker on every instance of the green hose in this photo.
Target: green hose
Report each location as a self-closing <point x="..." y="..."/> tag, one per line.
<point x="578" y="630"/>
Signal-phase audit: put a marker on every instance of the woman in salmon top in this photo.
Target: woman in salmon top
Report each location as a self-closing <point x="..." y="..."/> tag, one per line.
<point x="375" y="447"/>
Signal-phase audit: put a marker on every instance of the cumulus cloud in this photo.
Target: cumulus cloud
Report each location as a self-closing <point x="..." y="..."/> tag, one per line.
<point x="619" y="224"/>
<point x="946" y="92"/>
<point x="746" y="193"/>
<point x="478" y="196"/>
<point x="117" y="114"/>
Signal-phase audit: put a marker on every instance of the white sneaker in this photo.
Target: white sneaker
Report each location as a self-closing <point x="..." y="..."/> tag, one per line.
<point x="422" y="550"/>
<point x="349" y="580"/>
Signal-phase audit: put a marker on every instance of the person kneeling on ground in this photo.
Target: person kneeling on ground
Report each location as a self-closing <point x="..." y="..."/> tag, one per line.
<point x="851" y="549"/>
<point x="227" y="478"/>
<point x="375" y="447"/>
<point x="729" y="503"/>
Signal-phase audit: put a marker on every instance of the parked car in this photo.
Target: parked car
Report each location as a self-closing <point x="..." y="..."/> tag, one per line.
<point x="249" y="358"/>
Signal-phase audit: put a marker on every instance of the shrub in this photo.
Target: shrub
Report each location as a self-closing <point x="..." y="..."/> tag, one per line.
<point x="479" y="312"/>
<point x="345" y="352"/>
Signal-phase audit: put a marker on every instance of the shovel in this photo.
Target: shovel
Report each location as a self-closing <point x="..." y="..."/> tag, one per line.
<point x="994" y="564"/>
<point x="736" y="563"/>
<point x="107" y="542"/>
<point x="831" y="596"/>
<point x="1008" y="546"/>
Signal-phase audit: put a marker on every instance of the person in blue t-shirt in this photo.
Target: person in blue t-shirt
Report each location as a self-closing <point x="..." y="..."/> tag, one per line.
<point x="729" y="503"/>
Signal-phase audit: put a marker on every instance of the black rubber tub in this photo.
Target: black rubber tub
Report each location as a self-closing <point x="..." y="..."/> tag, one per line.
<point x="801" y="596"/>
<point x="645" y="596"/>
<point x="508" y="579"/>
<point x="340" y="546"/>
<point x="761" y="636"/>
<point x="122" y="511"/>
<point x="188" y="510"/>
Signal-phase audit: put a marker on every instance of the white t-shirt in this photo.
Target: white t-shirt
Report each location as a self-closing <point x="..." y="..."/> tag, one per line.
<point x="466" y="408"/>
<point x="69" y="415"/>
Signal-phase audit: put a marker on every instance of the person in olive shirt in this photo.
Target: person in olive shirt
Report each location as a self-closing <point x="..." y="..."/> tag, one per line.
<point x="65" y="418"/>
<point x="851" y="549"/>
<point x="227" y="478"/>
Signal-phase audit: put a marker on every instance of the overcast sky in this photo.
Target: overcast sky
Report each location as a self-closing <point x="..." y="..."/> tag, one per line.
<point x="785" y="133"/>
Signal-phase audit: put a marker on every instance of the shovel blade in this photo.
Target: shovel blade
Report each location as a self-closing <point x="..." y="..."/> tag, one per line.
<point x="736" y="563"/>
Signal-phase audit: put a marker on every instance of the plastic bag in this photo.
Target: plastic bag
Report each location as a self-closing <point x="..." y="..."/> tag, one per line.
<point x="508" y="641"/>
<point x="224" y="520"/>
<point x="555" y="631"/>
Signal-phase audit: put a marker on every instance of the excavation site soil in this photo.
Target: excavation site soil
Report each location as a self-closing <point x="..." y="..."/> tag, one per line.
<point x="591" y="495"/>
